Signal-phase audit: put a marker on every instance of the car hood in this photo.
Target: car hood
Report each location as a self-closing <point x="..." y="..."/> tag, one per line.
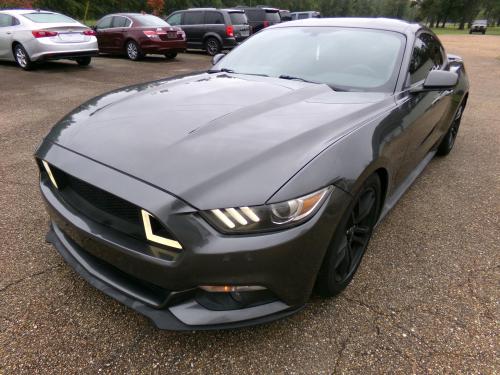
<point x="214" y="140"/>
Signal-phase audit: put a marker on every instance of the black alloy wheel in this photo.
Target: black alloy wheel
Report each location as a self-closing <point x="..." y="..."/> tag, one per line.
<point x="449" y="139"/>
<point x="351" y="239"/>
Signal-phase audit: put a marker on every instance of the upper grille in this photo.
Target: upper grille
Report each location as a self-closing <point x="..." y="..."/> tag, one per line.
<point x="103" y="207"/>
<point x="105" y="201"/>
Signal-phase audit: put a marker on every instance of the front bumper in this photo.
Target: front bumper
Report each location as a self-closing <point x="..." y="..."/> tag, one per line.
<point x="165" y="289"/>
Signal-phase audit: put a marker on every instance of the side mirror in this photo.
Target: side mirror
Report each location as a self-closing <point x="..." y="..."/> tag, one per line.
<point x="217" y="58"/>
<point x="438" y="80"/>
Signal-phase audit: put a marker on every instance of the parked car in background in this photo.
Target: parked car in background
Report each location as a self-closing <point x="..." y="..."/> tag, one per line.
<point x="479" y="26"/>
<point x="304" y="15"/>
<point x="285" y="15"/>
<point x="137" y="34"/>
<point x="29" y="36"/>
<point x="261" y="17"/>
<point x="212" y="29"/>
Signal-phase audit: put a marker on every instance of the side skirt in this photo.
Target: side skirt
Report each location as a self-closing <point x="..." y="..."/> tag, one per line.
<point x="394" y="198"/>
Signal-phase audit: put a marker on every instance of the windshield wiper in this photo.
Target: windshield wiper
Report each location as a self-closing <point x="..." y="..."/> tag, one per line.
<point x="225" y="70"/>
<point x="292" y="78"/>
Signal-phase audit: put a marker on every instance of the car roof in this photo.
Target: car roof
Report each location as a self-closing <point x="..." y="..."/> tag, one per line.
<point x="24" y="11"/>
<point x="367" y="23"/>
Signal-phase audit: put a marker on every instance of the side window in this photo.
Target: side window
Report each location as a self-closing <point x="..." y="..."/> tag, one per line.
<point x="193" y="18"/>
<point x="174" y="19"/>
<point x="421" y="60"/>
<point x="6" y="20"/>
<point x="119" y="21"/>
<point x="105" y="23"/>
<point x="303" y="16"/>
<point x="436" y="50"/>
<point x="214" y="18"/>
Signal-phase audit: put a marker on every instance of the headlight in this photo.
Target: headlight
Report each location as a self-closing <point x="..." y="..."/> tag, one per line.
<point x="267" y="217"/>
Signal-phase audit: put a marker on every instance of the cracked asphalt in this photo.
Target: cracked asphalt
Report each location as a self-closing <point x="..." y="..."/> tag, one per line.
<point x="425" y="299"/>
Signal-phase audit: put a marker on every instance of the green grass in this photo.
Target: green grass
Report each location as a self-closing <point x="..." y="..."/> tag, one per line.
<point x="455" y="30"/>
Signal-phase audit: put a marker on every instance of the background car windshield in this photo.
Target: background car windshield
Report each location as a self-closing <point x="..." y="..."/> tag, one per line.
<point x="238" y="18"/>
<point x="149" y="20"/>
<point x="48" y="18"/>
<point x="345" y="58"/>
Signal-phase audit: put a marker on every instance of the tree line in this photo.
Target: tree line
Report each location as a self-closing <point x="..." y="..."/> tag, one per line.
<point x="435" y="13"/>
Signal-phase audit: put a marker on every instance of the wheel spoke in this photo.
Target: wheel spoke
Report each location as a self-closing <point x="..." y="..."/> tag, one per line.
<point x="361" y="230"/>
<point x="358" y="239"/>
<point x="343" y="260"/>
<point x="365" y="206"/>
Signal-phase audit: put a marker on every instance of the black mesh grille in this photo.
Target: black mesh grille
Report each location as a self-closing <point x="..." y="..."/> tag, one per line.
<point x="103" y="200"/>
<point x="101" y="206"/>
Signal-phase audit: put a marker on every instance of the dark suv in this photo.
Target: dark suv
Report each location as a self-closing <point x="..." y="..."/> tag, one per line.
<point x="212" y="29"/>
<point x="261" y="17"/>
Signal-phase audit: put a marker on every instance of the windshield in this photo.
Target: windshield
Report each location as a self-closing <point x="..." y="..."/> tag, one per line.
<point x="344" y="58"/>
<point x="149" y="20"/>
<point x="48" y="18"/>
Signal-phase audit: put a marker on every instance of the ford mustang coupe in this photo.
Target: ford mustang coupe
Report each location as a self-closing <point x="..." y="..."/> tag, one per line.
<point x="225" y="198"/>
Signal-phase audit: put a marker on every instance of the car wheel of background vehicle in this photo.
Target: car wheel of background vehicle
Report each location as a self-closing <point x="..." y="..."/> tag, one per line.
<point x="171" y="55"/>
<point x="470" y="31"/>
<point x="484" y="32"/>
<point x="350" y="240"/>
<point x="133" y="51"/>
<point x="22" y="57"/>
<point x="449" y="139"/>
<point x="84" y="61"/>
<point x="212" y="46"/>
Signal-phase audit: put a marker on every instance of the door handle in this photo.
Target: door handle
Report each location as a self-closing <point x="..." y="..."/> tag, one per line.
<point x="8" y="32"/>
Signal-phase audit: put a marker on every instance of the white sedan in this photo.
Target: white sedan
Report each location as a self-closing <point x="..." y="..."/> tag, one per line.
<point x="28" y="36"/>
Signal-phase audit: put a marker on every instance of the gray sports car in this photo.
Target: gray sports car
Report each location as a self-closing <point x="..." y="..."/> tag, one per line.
<point x="28" y="36"/>
<point x="224" y="198"/>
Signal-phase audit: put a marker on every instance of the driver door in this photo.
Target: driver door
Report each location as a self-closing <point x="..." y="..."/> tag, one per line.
<point x="423" y="112"/>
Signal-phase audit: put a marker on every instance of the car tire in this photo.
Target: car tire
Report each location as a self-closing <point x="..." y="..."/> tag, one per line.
<point x="470" y="31"/>
<point x="212" y="46"/>
<point x="484" y="32"/>
<point x="350" y="240"/>
<point x="448" y="141"/>
<point x="84" y="61"/>
<point x="22" y="58"/>
<point x="171" y="55"/>
<point x="133" y="51"/>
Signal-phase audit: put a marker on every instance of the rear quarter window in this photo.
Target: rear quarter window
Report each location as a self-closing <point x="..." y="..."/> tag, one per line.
<point x="273" y="16"/>
<point x="255" y="14"/>
<point x="48" y="18"/>
<point x="238" y="18"/>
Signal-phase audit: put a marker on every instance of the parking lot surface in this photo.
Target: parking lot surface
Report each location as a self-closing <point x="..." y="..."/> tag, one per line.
<point x="425" y="299"/>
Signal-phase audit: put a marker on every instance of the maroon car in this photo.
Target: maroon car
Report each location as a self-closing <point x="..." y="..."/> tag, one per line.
<point x="137" y="35"/>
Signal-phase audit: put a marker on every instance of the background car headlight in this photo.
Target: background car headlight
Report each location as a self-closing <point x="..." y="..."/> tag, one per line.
<point x="267" y="217"/>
